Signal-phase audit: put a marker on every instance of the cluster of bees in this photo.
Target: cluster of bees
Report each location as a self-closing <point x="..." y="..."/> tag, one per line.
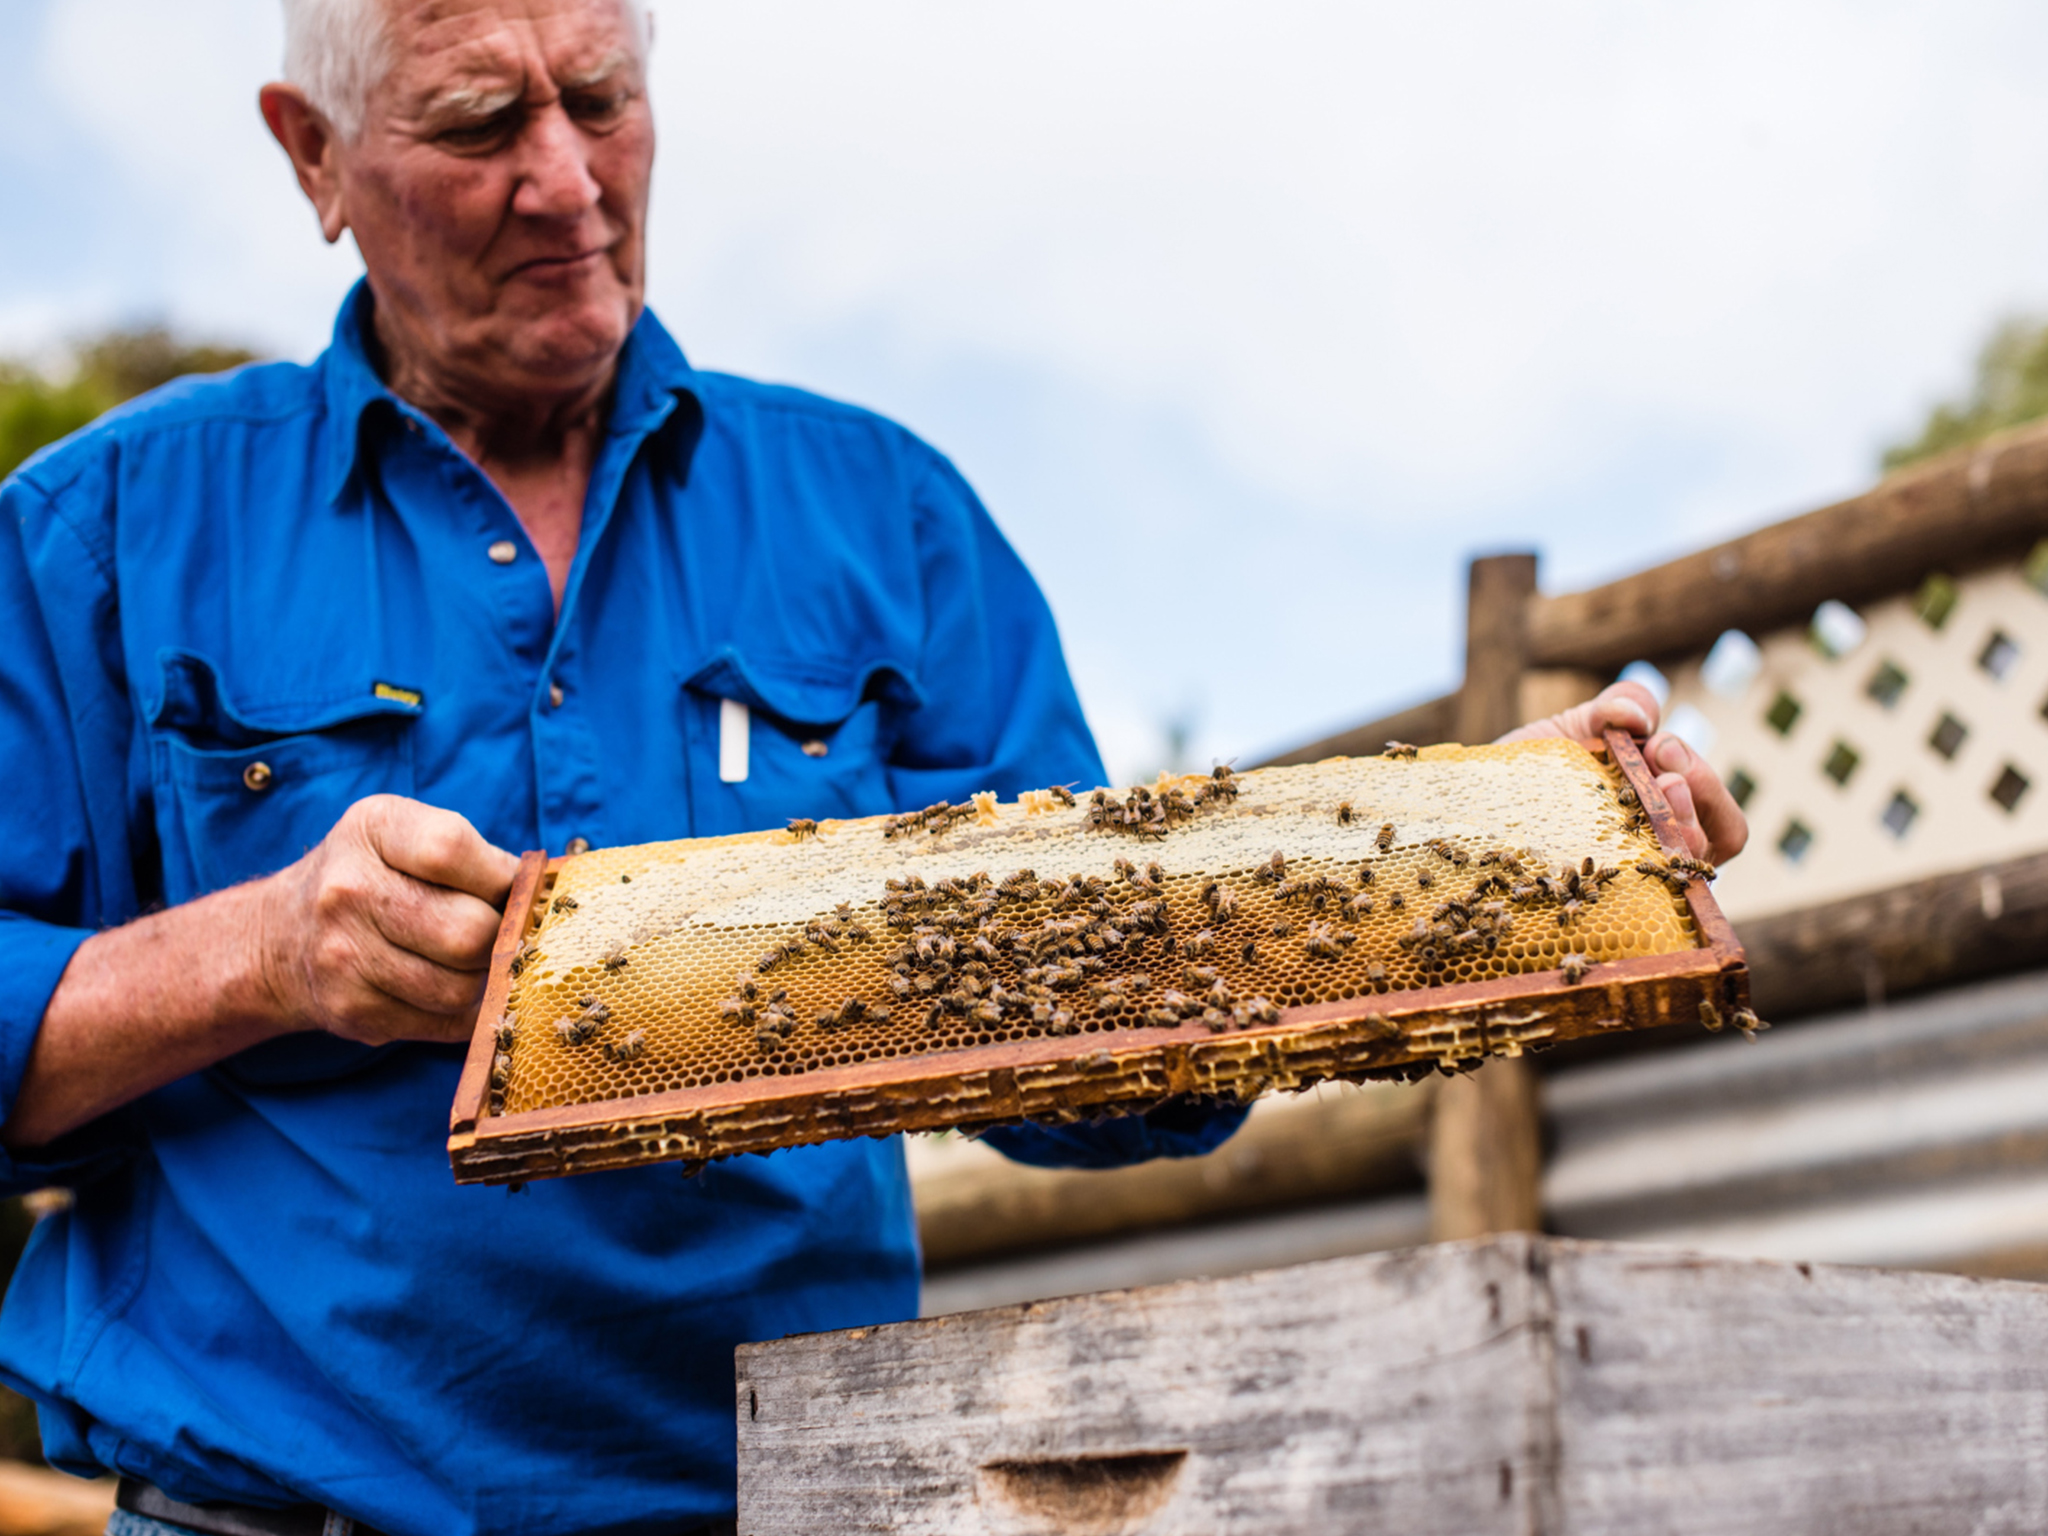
<point x="590" y="1019"/>
<point x="933" y="819"/>
<point x="1146" y="813"/>
<point x="958" y="960"/>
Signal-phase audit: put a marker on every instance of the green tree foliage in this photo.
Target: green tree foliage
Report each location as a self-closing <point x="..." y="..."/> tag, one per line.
<point x="36" y="409"/>
<point x="2011" y="387"/>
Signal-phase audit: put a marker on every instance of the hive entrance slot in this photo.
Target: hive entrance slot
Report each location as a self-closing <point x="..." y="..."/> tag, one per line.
<point x="1097" y="1495"/>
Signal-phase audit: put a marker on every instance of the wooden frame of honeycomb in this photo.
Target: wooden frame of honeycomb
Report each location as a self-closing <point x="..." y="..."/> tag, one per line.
<point x="1061" y="958"/>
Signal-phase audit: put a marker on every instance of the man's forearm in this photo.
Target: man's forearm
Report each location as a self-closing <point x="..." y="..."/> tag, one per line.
<point x="143" y="1005"/>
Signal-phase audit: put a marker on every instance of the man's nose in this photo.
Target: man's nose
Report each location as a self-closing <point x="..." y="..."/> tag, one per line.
<point x="554" y="172"/>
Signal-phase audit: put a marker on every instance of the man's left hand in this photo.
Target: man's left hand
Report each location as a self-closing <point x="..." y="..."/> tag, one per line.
<point x="1709" y="820"/>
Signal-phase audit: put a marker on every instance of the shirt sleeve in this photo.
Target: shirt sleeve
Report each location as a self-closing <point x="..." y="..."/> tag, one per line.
<point x="1000" y="714"/>
<point x="65" y="739"/>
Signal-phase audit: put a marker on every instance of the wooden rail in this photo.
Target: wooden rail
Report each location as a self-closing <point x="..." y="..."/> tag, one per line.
<point x="1968" y="508"/>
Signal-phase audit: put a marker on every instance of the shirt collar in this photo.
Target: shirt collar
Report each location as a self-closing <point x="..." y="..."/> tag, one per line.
<point x="653" y="375"/>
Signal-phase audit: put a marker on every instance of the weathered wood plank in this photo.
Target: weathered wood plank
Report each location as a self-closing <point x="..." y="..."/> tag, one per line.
<point x="1520" y="1384"/>
<point x="1707" y="1397"/>
<point x="1424" y="723"/>
<point x="1330" y="1398"/>
<point x="1969" y="508"/>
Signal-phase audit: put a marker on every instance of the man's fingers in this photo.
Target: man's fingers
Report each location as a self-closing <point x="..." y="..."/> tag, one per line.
<point x="1678" y="794"/>
<point x="414" y="982"/>
<point x="436" y="846"/>
<point x="1723" y="829"/>
<point x="449" y="928"/>
<point x="1627" y="706"/>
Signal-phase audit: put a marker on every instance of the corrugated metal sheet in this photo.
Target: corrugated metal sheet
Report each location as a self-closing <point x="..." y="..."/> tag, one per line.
<point x="1915" y="1134"/>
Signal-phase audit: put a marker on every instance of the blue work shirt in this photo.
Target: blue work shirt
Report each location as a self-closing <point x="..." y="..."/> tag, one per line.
<point x="270" y="1287"/>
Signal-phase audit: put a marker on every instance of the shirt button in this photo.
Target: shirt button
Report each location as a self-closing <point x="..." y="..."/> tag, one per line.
<point x="504" y="552"/>
<point x="555" y="695"/>
<point x="578" y="845"/>
<point x="815" y="749"/>
<point x="257" y="777"/>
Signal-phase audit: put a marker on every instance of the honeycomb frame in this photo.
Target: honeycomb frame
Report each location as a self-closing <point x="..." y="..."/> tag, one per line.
<point x="1399" y="1033"/>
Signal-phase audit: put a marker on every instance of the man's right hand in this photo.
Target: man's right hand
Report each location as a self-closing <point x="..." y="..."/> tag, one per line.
<point x="383" y="932"/>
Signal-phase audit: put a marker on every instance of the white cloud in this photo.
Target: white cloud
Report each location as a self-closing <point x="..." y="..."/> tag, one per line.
<point x="1249" y="321"/>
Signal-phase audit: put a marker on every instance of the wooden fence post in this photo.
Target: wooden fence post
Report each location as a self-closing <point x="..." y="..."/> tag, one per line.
<point x="1485" y="1143"/>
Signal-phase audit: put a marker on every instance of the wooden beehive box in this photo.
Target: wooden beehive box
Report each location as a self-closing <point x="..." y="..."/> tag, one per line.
<point x="1513" y="1386"/>
<point x="1059" y="957"/>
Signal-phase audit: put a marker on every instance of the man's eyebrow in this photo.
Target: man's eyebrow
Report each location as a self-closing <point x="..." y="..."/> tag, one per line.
<point x="471" y="101"/>
<point x="596" y="74"/>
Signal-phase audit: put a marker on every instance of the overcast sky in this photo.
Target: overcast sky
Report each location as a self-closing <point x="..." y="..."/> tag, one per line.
<point x="1250" y="321"/>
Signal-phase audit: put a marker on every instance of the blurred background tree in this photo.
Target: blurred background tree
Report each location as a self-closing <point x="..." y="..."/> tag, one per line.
<point x="37" y="408"/>
<point x="2011" y="387"/>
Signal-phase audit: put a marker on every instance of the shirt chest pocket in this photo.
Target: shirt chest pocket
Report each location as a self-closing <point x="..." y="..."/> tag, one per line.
<point x="769" y="743"/>
<point x="244" y="787"/>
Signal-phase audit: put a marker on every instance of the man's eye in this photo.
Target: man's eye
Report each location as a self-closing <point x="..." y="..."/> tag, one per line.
<point x="586" y="108"/>
<point x="476" y="135"/>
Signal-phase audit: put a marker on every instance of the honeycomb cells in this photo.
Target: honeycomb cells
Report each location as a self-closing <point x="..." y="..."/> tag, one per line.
<point x="1484" y="878"/>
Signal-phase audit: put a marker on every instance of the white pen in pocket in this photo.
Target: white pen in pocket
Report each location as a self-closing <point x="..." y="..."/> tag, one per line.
<point x="734" y="730"/>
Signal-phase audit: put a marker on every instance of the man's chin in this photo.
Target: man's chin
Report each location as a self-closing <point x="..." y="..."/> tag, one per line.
<point x="565" y="340"/>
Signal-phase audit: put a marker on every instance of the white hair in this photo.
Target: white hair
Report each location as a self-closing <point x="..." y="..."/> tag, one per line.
<point x="337" y="50"/>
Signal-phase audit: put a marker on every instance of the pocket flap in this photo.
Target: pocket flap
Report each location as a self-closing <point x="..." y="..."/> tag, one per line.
<point x="804" y="693"/>
<point x="193" y="701"/>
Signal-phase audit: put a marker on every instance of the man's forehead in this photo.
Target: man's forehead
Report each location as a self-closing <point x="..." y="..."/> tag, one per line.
<point x="458" y="48"/>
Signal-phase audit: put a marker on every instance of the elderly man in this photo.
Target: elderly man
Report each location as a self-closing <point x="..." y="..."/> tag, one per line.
<point x="292" y="659"/>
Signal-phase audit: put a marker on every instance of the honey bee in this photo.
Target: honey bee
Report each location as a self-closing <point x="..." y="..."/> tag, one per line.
<point x="1358" y="906"/>
<point x="615" y="958"/>
<point x="1424" y="878"/>
<point x="1573" y="968"/>
<point x="1691" y="865"/>
<point x="1181" y="1004"/>
<point x="565" y="903"/>
<point x="1273" y="871"/>
<point x="1400" y="751"/>
<point x="737" y="1009"/>
<point x="1344" y="813"/>
<point x="1217" y="1020"/>
<point x="1710" y="1016"/>
<point x="1746" y="1020"/>
<point x="801" y="827"/>
<point x="1196" y="977"/>
<point x="1222" y="901"/>
<point x="1396" y="900"/>
<point x="1199" y="944"/>
<point x="1282" y="930"/>
<point x="1255" y="1010"/>
<point x="1627" y="796"/>
<point x="1250" y="953"/>
<point x="501" y="1071"/>
<point x="1321" y="942"/>
<point x="768" y="1040"/>
<point x="574" y="1031"/>
<point x="1061" y="793"/>
<point x="1376" y="973"/>
<point x="520" y="956"/>
<point x="877" y="1014"/>
<point x="1385" y="839"/>
<point x="506" y="1032"/>
<point x="1222" y="782"/>
<point x="630" y="1048"/>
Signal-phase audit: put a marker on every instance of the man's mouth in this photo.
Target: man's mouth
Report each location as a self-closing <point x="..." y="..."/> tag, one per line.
<point x="557" y="266"/>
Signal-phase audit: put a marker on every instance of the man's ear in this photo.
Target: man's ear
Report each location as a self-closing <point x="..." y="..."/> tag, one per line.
<point x="309" y="139"/>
